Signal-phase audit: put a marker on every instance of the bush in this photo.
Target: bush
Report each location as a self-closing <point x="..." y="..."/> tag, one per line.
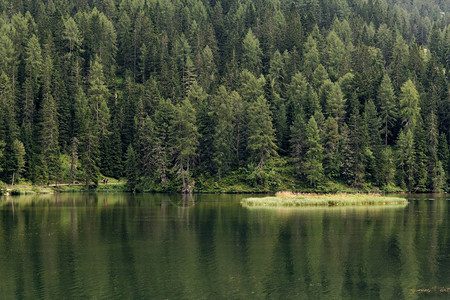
<point x="2" y="188"/>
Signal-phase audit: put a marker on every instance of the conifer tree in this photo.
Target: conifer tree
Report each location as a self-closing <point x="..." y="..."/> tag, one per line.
<point x="433" y="162"/>
<point x="406" y="155"/>
<point x="72" y="35"/>
<point x="338" y="63"/>
<point x="312" y="164"/>
<point x="145" y="146"/>
<point x="49" y="115"/>
<point x="261" y="135"/>
<point x="353" y="150"/>
<point x="18" y="160"/>
<point x="131" y="168"/>
<point x="251" y="57"/>
<point x="409" y="100"/>
<point x="98" y="95"/>
<point x="186" y="142"/>
<point x="311" y="57"/>
<point x="444" y="155"/>
<point x="332" y="159"/>
<point x="298" y="139"/>
<point x="224" y="114"/>
<point x="420" y="171"/>
<point x="163" y="139"/>
<point x="386" y="99"/>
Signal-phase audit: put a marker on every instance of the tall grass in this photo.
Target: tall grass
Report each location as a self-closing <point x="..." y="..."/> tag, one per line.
<point x="290" y="199"/>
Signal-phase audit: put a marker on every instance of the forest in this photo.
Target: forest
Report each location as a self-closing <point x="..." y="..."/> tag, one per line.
<point x="239" y="95"/>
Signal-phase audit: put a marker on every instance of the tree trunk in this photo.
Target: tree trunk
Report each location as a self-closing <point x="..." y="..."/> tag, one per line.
<point x="184" y="190"/>
<point x="12" y="183"/>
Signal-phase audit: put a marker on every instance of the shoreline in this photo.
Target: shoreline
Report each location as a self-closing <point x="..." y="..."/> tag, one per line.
<point x="121" y="188"/>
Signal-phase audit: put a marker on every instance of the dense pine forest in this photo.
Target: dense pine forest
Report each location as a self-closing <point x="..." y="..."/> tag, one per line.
<point x="239" y="95"/>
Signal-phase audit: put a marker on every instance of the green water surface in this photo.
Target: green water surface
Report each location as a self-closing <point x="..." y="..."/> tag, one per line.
<point x="158" y="246"/>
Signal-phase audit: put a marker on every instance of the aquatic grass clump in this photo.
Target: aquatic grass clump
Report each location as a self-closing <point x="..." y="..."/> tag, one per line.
<point x="293" y="200"/>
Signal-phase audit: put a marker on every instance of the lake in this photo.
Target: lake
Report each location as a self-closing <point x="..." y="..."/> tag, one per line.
<point x="162" y="246"/>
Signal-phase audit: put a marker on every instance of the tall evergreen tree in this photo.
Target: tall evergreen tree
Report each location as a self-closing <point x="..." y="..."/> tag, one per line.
<point x="312" y="164"/>
<point x="261" y="135"/>
<point x="224" y="114"/>
<point x="332" y="157"/>
<point x="186" y="142"/>
<point x="409" y="100"/>
<point x="386" y="99"/>
<point x="18" y="160"/>
<point x="131" y="168"/>
<point x="251" y="57"/>
<point x="49" y="116"/>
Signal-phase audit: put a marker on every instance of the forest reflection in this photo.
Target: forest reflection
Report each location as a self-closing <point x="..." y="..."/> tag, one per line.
<point x="165" y="246"/>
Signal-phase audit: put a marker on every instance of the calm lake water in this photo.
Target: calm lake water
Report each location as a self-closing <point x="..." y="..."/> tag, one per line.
<point x="120" y="246"/>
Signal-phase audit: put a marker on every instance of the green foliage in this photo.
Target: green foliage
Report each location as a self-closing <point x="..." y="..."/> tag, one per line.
<point x="312" y="164"/>
<point x="388" y="107"/>
<point x="220" y="96"/>
<point x="251" y="57"/>
<point x="131" y="168"/>
<point x="3" y="188"/>
<point x="261" y="135"/>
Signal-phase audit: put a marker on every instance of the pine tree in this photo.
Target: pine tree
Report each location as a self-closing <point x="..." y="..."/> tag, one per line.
<point x="144" y="145"/>
<point x="386" y="99"/>
<point x="400" y="61"/>
<point x="311" y="57"/>
<point x="353" y="150"/>
<point x="163" y="139"/>
<point x="409" y="100"/>
<point x="251" y="57"/>
<point x="332" y="159"/>
<point x="433" y="162"/>
<point x="87" y="136"/>
<point x="186" y="142"/>
<point x="98" y="95"/>
<point x="49" y="125"/>
<point x="298" y="139"/>
<point x="335" y="103"/>
<point x="444" y="155"/>
<point x="223" y="141"/>
<point x="261" y="135"/>
<point x="131" y="169"/>
<point x="73" y="159"/>
<point x="338" y="62"/>
<point x="405" y="154"/>
<point x="373" y="143"/>
<point x="420" y="172"/>
<point x="18" y="160"/>
<point x="72" y="35"/>
<point x="312" y="164"/>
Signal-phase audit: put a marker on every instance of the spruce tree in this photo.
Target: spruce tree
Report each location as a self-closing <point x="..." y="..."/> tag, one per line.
<point x="131" y="168"/>
<point x="332" y="157"/>
<point x="386" y="100"/>
<point x="223" y="141"/>
<point x="433" y="162"/>
<point x="49" y="125"/>
<point x="163" y="140"/>
<point x="251" y="57"/>
<point x="18" y="160"/>
<point x="409" y="108"/>
<point x="312" y="163"/>
<point x="311" y="57"/>
<point x="261" y="135"/>
<point x="186" y="142"/>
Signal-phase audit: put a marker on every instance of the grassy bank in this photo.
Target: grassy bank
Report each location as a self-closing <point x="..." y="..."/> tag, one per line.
<point x="286" y="199"/>
<point x="29" y="189"/>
